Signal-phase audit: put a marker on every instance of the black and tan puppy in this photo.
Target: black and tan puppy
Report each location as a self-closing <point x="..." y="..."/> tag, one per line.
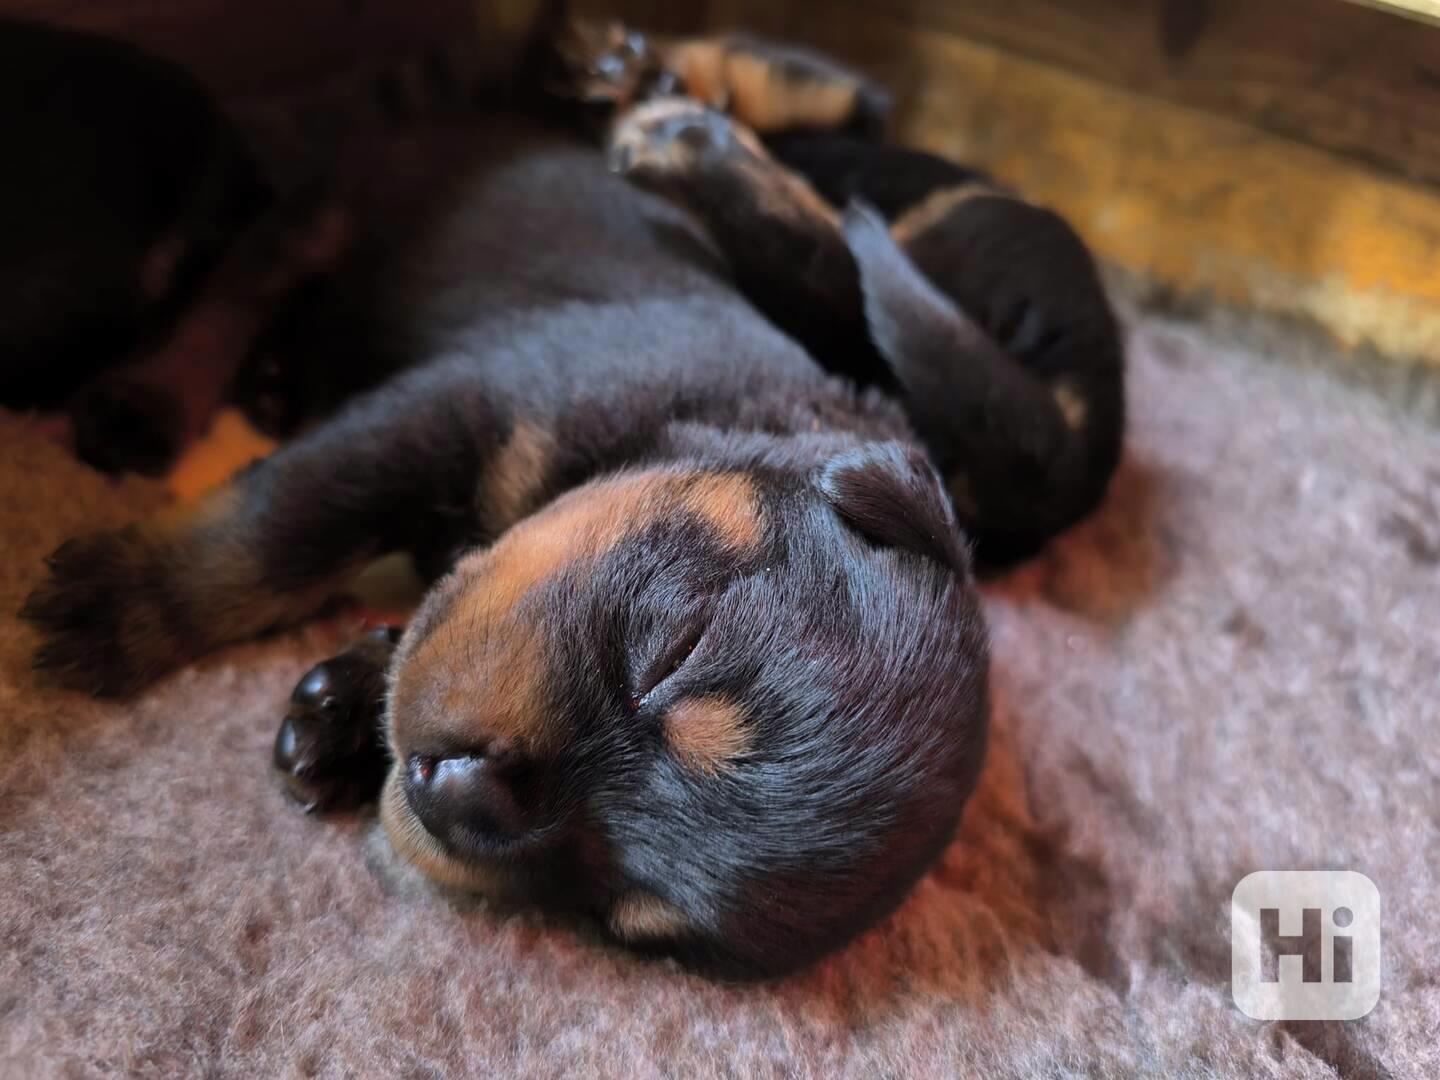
<point x="706" y="660"/>
<point x="703" y="656"/>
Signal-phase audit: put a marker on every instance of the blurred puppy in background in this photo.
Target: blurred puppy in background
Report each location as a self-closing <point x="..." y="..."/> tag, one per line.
<point x="141" y="249"/>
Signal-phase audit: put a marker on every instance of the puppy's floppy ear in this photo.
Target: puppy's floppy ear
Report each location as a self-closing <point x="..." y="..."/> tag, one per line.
<point x="913" y="325"/>
<point x="891" y="495"/>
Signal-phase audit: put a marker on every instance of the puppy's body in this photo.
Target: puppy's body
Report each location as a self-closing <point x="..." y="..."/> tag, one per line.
<point x="703" y="658"/>
<point x="1009" y="358"/>
<point x="500" y="232"/>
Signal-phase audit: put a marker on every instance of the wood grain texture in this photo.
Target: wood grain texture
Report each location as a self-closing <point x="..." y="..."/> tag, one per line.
<point x="1425" y="10"/>
<point x="1206" y="205"/>
<point x="1341" y="76"/>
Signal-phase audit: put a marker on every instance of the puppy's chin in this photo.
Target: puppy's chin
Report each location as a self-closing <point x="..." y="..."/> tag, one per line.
<point x="414" y="843"/>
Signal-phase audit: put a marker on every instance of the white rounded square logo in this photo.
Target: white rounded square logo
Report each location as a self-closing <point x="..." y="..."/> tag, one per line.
<point x="1305" y="945"/>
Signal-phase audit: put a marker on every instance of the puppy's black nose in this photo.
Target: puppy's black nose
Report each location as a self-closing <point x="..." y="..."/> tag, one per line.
<point x="466" y="800"/>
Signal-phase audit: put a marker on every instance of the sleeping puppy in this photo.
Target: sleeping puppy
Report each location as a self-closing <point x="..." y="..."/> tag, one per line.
<point x="702" y="657"/>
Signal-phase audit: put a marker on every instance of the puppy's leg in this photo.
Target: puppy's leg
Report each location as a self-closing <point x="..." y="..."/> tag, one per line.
<point x="1028" y="434"/>
<point x="767" y="86"/>
<point x="772" y="87"/>
<point x="782" y="240"/>
<point x="330" y="749"/>
<point x="138" y="417"/>
<point x="397" y="470"/>
<point x="1025" y="421"/>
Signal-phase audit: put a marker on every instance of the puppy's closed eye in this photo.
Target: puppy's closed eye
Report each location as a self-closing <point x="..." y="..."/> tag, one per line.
<point x="671" y="658"/>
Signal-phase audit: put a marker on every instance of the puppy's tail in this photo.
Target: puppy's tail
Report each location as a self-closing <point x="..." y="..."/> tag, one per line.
<point x="1024" y="453"/>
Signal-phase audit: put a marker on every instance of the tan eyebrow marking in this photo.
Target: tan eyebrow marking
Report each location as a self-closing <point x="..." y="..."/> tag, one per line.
<point x="727" y="501"/>
<point x="1072" y="405"/>
<point x="936" y="207"/>
<point x="707" y="733"/>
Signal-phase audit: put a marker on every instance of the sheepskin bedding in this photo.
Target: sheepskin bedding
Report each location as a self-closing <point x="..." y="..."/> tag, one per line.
<point x="1234" y="666"/>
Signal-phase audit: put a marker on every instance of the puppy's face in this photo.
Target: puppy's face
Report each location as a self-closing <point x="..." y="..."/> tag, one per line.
<point x="733" y="713"/>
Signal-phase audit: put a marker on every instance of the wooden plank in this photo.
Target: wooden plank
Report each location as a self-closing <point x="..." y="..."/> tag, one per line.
<point x="1424" y="10"/>
<point x="1340" y="76"/>
<point x="1202" y="204"/>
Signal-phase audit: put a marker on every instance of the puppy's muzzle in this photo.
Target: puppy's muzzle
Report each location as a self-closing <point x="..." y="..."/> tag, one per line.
<point x="471" y="802"/>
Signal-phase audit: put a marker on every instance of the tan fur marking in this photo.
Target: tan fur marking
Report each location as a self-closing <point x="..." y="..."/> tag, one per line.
<point x="488" y="654"/>
<point x="216" y="570"/>
<point x="1072" y="405"/>
<point x="783" y="192"/>
<point x="935" y="208"/>
<point x="729" y="502"/>
<point x="213" y="567"/>
<point x="514" y="480"/>
<point x="707" y="734"/>
<point x="700" y="64"/>
<point x="762" y="98"/>
<point x="639" y="916"/>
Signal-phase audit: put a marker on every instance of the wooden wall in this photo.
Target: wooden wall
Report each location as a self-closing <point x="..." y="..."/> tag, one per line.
<point x="1273" y="154"/>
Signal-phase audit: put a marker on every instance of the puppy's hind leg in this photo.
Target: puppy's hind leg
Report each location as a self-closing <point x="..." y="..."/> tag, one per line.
<point x="1026" y="451"/>
<point x="782" y="240"/>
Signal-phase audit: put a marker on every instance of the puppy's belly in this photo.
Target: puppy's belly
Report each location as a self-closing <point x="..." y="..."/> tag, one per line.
<point x="531" y="253"/>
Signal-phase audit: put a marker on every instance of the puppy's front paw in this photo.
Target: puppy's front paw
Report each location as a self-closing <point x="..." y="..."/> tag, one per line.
<point x="104" y="616"/>
<point x="329" y="750"/>
<point x="673" y="138"/>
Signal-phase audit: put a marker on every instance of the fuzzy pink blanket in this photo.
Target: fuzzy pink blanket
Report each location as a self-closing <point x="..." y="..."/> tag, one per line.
<point x="1235" y="666"/>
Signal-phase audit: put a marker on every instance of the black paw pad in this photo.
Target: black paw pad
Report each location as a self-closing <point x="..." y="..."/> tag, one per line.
<point x="329" y="749"/>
